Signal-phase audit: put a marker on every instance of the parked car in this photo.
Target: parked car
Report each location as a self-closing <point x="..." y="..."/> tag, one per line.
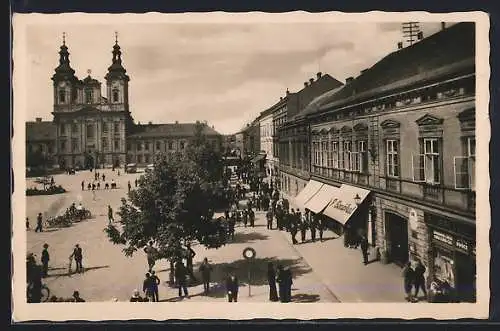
<point x="131" y="168"/>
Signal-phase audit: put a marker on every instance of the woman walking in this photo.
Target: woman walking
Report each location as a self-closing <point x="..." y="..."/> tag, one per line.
<point x="271" y="278"/>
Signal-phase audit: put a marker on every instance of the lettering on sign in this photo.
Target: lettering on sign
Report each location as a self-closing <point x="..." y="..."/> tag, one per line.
<point x="446" y="238"/>
<point x="345" y="207"/>
<point x="462" y="244"/>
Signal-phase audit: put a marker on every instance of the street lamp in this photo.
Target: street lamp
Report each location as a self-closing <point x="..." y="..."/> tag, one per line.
<point x="357" y="200"/>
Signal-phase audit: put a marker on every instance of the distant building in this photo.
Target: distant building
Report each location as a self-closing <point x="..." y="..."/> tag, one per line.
<point x="91" y="130"/>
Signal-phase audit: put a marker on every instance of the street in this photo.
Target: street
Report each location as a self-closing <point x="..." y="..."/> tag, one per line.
<point x="110" y="274"/>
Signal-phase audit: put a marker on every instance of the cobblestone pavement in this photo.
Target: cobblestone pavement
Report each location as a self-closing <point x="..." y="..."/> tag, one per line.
<point x="109" y="274"/>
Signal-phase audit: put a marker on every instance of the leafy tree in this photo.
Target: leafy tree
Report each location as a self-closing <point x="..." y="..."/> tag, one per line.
<point x="173" y="203"/>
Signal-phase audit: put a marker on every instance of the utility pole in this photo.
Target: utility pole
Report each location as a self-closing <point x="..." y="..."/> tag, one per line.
<point x="411" y="31"/>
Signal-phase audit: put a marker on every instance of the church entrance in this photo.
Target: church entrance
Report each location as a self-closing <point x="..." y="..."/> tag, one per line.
<point x="89" y="161"/>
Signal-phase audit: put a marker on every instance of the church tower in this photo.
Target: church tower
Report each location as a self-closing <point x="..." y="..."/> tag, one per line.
<point x="117" y="81"/>
<point x="64" y="81"/>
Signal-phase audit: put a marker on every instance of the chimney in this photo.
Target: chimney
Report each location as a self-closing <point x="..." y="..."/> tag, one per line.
<point x="311" y="80"/>
<point x="348" y="80"/>
<point x="400" y="45"/>
<point x="150" y="123"/>
<point x="318" y="75"/>
<point x="176" y="122"/>
<point x="306" y="84"/>
<point x="38" y="119"/>
<point x="287" y="92"/>
<point x="443" y="25"/>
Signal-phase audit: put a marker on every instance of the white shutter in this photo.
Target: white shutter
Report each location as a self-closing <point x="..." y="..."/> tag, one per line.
<point x="417" y="165"/>
<point x="461" y="172"/>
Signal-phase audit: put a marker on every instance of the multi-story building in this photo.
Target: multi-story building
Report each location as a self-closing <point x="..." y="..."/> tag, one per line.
<point x="90" y="130"/>
<point x="266" y="140"/>
<point x="393" y="156"/>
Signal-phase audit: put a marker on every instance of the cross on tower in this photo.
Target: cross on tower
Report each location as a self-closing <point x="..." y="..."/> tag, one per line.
<point x="89" y="71"/>
<point x="64" y="38"/>
<point x="116" y="37"/>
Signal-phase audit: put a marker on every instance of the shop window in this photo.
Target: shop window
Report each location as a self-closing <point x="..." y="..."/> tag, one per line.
<point x="392" y="162"/>
<point x="465" y="166"/>
<point x="443" y="267"/>
<point x="427" y="165"/>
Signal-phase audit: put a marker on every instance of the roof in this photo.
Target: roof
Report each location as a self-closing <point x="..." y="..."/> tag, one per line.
<point x="316" y="103"/>
<point x="40" y="131"/>
<point x="436" y="56"/>
<point x="170" y="130"/>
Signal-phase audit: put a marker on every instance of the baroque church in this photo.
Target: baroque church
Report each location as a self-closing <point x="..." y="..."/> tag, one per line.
<point x="94" y="130"/>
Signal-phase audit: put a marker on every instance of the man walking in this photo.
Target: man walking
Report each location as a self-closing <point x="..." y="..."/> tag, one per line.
<point x="364" y="249"/>
<point x="408" y="280"/>
<point x="151" y="255"/>
<point x="205" y="270"/>
<point x="129" y="186"/>
<point x="180" y="277"/>
<point x="251" y="216"/>
<point x="293" y="227"/>
<point x="147" y="288"/>
<point x="314" y="225"/>
<point x="321" y="228"/>
<point x="189" y="262"/>
<point x="269" y="217"/>
<point x="420" y="279"/>
<point x="83" y="185"/>
<point x="232" y="287"/>
<point x="110" y="214"/>
<point x="155" y="281"/>
<point x="78" y="257"/>
<point x="45" y="260"/>
<point x="27" y="223"/>
<point x="39" y="223"/>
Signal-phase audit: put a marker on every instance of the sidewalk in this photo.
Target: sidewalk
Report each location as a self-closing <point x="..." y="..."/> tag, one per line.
<point x="341" y="269"/>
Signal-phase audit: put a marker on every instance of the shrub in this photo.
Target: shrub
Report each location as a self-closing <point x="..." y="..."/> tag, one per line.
<point x="48" y="191"/>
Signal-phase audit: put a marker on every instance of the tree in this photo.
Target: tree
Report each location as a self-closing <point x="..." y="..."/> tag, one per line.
<point x="172" y="205"/>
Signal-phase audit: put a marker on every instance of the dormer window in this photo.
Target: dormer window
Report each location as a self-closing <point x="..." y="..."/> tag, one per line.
<point x="62" y="96"/>
<point x="115" y="95"/>
<point x="88" y="96"/>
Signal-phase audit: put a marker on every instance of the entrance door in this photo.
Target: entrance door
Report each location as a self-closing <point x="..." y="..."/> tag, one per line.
<point x="397" y="232"/>
<point x="465" y="268"/>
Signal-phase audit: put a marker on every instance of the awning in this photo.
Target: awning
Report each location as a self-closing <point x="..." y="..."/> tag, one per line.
<point x="323" y="198"/>
<point x="312" y="187"/>
<point x="343" y="205"/>
<point x="258" y="158"/>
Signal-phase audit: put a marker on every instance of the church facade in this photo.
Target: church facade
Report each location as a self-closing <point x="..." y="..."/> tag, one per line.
<point x="90" y="129"/>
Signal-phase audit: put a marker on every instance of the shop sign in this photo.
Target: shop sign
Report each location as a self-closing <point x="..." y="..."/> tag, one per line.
<point x="446" y="238"/>
<point x="345" y="207"/>
<point x="462" y="244"/>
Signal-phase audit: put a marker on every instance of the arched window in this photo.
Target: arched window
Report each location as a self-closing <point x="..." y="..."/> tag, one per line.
<point x="115" y="95"/>
<point x="62" y="96"/>
<point x="88" y="96"/>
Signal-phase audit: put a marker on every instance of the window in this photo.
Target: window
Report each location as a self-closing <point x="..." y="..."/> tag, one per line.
<point x="146" y="146"/>
<point x="324" y="153"/>
<point x="62" y="96"/>
<point x="427" y="166"/>
<point x="104" y="144"/>
<point x="335" y="154"/>
<point x="74" y="145"/>
<point x="465" y="166"/>
<point x="117" y="145"/>
<point x="88" y="96"/>
<point x="158" y="146"/>
<point x="139" y="146"/>
<point x="170" y="145"/>
<point x="116" y="127"/>
<point x="63" y="129"/>
<point x="115" y="95"/>
<point x="74" y="128"/>
<point x="358" y="159"/>
<point x="90" y="131"/>
<point x="392" y="166"/>
<point x="346" y="162"/>
<point x="105" y="127"/>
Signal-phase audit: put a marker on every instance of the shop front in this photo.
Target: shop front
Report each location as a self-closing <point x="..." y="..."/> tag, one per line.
<point x="453" y="257"/>
<point x="308" y="192"/>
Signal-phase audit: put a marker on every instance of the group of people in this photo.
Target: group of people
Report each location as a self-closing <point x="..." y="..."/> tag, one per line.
<point x="76" y="255"/>
<point x="283" y="276"/>
<point x="414" y="278"/>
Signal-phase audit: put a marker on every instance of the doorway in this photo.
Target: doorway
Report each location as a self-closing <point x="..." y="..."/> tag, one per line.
<point x="465" y="268"/>
<point x="397" y="237"/>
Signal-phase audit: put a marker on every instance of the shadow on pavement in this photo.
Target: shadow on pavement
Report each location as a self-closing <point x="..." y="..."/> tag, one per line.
<point x="73" y="273"/>
<point x="305" y="298"/>
<point x="240" y="238"/>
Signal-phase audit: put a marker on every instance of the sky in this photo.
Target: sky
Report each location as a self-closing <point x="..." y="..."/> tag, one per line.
<point x="225" y="74"/>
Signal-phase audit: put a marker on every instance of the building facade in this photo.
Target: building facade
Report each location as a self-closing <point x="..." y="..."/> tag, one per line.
<point x="393" y="156"/>
<point x="266" y="141"/>
<point x="93" y="130"/>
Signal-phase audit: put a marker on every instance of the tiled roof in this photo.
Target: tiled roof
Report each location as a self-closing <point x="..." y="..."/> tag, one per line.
<point x="316" y="103"/>
<point x="40" y="131"/>
<point x="437" y="56"/>
<point x="169" y="130"/>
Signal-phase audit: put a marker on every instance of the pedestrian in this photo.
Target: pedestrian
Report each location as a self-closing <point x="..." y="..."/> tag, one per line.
<point x="52" y="182"/>
<point x="205" y="270"/>
<point x="151" y="255"/>
<point x="226" y="214"/>
<point x="321" y="228"/>
<point x="136" y="297"/>
<point x="147" y="288"/>
<point x="281" y="283"/>
<point x="364" y="249"/>
<point x="110" y="214"/>
<point x="118" y="172"/>
<point x="113" y="184"/>
<point x="98" y="185"/>
<point x="27" y="223"/>
<point x="419" y="282"/>
<point x="251" y="215"/>
<point x="303" y="228"/>
<point x="89" y="186"/>
<point x="269" y="217"/>
<point x="189" y="262"/>
<point x="45" y="260"/>
<point x="39" y="220"/>
<point x="232" y="224"/>
<point x="77" y="255"/>
<point x="129" y="186"/>
<point x="155" y="282"/>
<point x="408" y="280"/>
<point x="83" y="185"/>
<point x="76" y="297"/>
<point x="313" y="225"/>
<point x="232" y="287"/>
<point x="271" y="279"/>
<point x="103" y="177"/>
<point x="288" y="284"/>
<point x="293" y="228"/>
<point x="180" y="278"/>
<point x="245" y="217"/>
<point x="136" y="182"/>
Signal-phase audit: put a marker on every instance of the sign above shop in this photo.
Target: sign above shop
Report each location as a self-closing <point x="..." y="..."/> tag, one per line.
<point x="462" y="244"/>
<point x="443" y="237"/>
